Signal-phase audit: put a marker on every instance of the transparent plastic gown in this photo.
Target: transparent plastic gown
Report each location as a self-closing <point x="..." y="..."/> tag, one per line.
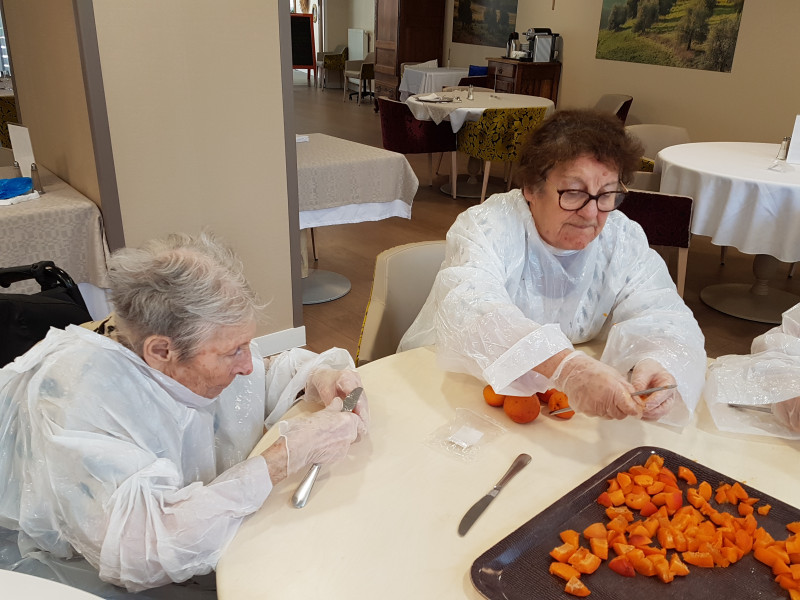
<point x="104" y="457"/>
<point x="504" y="301"/>
<point x="768" y="376"/>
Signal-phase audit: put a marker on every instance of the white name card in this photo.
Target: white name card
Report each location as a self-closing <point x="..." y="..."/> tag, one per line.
<point x="794" y="146"/>
<point x="21" y="144"/>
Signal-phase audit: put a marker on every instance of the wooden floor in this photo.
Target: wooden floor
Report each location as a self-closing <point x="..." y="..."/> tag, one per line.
<point x="351" y="249"/>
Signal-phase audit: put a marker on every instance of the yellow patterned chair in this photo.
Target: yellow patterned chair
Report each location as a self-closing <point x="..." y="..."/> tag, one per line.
<point x="333" y="62"/>
<point x="497" y="135"/>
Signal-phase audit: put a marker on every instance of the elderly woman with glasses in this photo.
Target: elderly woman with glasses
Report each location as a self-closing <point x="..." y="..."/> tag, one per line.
<point x="531" y="272"/>
<point x="127" y="441"/>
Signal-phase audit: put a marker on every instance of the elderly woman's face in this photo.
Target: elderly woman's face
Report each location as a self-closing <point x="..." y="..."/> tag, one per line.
<point x="571" y="230"/>
<point x="219" y="360"/>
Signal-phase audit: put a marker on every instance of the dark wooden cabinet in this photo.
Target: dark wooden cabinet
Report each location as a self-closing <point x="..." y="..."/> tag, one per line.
<point x="517" y="77"/>
<point x="405" y="31"/>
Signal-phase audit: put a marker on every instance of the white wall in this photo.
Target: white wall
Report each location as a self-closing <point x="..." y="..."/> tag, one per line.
<point x="757" y="101"/>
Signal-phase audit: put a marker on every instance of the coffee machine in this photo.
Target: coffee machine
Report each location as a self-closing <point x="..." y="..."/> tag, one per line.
<point x="543" y="45"/>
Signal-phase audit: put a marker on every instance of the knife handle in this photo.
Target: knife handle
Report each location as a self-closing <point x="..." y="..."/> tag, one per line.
<point x="304" y="489"/>
<point x="521" y="461"/>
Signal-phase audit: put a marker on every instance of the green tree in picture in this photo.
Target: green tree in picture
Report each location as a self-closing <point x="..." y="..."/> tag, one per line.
<point x="465" y="11"/>
<point x="710" y="5"/>
<point x="617" y="17"/>
<point x="648" y="14"/>
<point x="693" y="27"/>
<point x="664" y="6"/>
<point x="721" y="45"/>
<point x="631" y="8"/>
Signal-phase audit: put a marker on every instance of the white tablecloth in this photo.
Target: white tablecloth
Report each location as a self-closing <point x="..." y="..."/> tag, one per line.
<point x="19" y="586"/>
<point x="382" y="523"/>
<point x="471" y="110"/>
<point x="62" y="225"/>
<point x="419" y="80"/>
<point x="340" y="181"/>
<point x="738" y="200"/>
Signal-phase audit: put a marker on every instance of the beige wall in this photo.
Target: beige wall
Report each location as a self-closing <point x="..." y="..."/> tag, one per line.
<point x="196" y="122"/>
<point x="341" y="15"/>
<point x="757" y="101"/>
<point x="49" y="89"/>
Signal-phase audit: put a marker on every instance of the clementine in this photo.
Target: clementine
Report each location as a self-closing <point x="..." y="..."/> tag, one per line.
<point x="522" y="409"/>
<point x="491" y="397"/>
<point x="559" y="400"/>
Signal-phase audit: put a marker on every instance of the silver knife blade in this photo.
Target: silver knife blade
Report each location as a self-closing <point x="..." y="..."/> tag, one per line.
<point x="477" y="509"/>
<point x="758" y="407"/>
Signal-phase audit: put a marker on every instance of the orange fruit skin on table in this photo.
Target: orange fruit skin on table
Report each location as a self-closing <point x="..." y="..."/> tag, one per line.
<point x="492" y="398"/>
<point x="522" y="409"/>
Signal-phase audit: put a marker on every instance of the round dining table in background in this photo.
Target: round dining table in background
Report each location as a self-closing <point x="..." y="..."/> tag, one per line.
<point x="383" y="522"/>
<point x="419" y="79"/>
<point x="457" y="109"/>
<point x="745" y="198"/>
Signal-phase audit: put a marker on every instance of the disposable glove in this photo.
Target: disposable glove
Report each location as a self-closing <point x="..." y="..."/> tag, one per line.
<point x="324" y="384"/>
<point x="788" y="413"/>
<point x="648" y="373"/>
<point x="594" y="388"/>
<point x="322" y="437"/>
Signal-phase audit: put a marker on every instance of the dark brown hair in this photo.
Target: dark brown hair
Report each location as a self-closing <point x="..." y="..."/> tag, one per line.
<point x="570" y="134"/>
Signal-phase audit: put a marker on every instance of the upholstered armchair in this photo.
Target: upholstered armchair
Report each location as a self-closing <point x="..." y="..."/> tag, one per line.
<point x="364" y="72"/>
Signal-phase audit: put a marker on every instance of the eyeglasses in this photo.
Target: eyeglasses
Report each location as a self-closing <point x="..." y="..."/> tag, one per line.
<point x="575" y="200"/>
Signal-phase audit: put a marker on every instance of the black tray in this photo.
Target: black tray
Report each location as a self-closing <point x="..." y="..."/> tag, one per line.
<point x="517" y="567"/>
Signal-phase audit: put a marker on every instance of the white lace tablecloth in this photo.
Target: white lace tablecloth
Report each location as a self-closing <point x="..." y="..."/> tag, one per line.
<point x="62" y="225"/>
<point x="738" y="200"/>
<point x="340" y="181"/>
<point x="419" y="80"/>
<point x="471" y="110"/>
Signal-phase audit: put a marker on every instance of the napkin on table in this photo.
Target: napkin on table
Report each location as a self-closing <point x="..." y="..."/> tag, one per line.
<point x="429" y="97"/>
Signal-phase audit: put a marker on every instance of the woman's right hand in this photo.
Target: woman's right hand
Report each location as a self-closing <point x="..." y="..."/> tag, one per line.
<point x="594" y="388"/>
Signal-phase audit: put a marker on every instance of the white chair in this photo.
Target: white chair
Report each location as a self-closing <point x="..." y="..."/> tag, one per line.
<point x="616" y="104"/>
<point x="403" y="279"/>
<point x="654" y="137"/>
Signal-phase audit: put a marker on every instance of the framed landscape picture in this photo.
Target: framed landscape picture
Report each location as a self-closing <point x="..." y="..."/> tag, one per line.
<point x="693" y="34"/>
<point x="484" y="22"/>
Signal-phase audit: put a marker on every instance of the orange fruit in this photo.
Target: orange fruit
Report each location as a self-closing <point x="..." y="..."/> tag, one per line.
<point x="559" y="400"/>
<point x="522" y="409"/>
<point x="492" y="398"/>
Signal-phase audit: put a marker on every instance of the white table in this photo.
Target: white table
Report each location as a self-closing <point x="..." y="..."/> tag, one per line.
<point x="340" y="182"/>
<point x="420" y="80"/>
<point x="740" y="202"/>
<point x="382" y="524"/>
<point x="458" y="112"/>
<point x="17" y="586"/>
<point x="62" y="225"/>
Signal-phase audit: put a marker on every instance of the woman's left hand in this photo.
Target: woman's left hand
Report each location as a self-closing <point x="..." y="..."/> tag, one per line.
<point x="648" y="373"/>
<point x="325" y="384"/>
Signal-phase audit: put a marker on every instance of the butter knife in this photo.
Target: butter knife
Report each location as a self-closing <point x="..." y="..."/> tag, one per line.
<point x="767" y="408"/>
<point x="303" y="490"/>
<point x="478" y="508"/>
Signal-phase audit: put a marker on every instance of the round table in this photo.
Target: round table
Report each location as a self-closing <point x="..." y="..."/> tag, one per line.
<point x="383" y="523"/>
<point x="461" y="110"/>
<point x="19" y="585"/>
<point x="743" y="198"/>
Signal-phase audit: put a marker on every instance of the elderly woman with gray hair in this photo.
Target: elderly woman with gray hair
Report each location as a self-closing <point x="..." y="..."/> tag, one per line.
<point x="126" y="442"/>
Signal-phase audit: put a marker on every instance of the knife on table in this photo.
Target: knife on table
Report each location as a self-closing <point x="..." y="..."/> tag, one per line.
<point x="639" y="393"/>
<point x="478" y="508"/>
<point x="767" y="408"/>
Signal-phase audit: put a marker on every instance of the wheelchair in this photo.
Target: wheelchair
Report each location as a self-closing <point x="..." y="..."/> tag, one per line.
<point x="26" y="318"/>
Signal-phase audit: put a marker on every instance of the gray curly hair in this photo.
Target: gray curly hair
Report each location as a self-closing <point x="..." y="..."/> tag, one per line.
<point x="183" y="287"/>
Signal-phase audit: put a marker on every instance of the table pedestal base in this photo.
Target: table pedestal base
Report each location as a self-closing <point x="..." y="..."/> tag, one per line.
<point x="469" y="187"/>
<point x="754" y="302"/>
<point x="323" y="286"/>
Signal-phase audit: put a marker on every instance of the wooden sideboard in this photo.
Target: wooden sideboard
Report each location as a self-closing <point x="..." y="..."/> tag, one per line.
<point x="405" y="31"/>
<point x="517" y="77"/>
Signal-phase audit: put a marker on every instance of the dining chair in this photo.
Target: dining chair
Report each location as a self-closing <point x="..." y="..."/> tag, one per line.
<point x="654" y="138"/>
<point x="464" y="88"/>
<point x="665" y="219"/>
<point x="496" y="136"/>
<point x="333" y="62"/>
<point x="616" y="104"/>
<point x="404" y="276"/>
<point x="476" y="81"/>
<point x="404" y="133"/>
<point x="361" y="71"/>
